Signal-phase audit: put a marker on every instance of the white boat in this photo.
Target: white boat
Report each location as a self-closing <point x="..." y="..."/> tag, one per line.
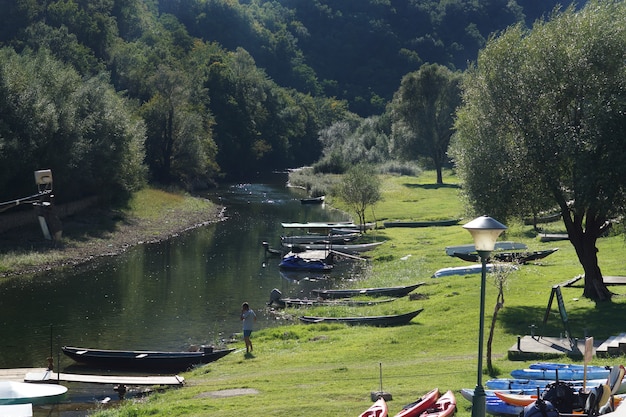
<point x="16" y="410"/>
<point x="347" y="248"/>
<point x="471" y="269"/>
<point x="12" y="392"/>
<point x="508" y="246"/>
<point x="318" y="238"/>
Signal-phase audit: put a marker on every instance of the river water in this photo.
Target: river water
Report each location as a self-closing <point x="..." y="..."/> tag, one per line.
<point x="166" y="296"/>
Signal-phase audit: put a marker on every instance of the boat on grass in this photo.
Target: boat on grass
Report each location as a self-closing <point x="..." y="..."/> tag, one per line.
<point x="520" y="400"/>
<point x="532" y="384"/>
<point x="398" y="291"/>
<point x="472" y="269"/>
<point x="381" y="321"/>
<point x="144" y="360"/>
<point x="565" y="374"/>
<point x="445" y="406"/>
<point x="494" y="405"/>
<point x="422" y="223"/>
<point x="500" y="246"/>
<point x="297" y="263"/>
<point x="417" y="407"/>
<point x="378" y="409"/>
<point x="12" y="392"/>
<point x="519" y="257"/>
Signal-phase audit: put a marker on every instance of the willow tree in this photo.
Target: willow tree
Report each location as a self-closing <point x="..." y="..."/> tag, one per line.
<point x="544" y="119"/>
<point x="423" y="114"/>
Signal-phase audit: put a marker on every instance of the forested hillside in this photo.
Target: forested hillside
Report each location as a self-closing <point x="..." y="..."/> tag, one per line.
<point x="110" y="94"/>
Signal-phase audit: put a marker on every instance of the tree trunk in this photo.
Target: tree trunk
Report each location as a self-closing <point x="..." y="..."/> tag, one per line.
<point x="585" y="245"/>
<point x="595" y="288"/>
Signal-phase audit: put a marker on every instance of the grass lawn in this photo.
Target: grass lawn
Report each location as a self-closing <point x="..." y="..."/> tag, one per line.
<point x="330" y="370"/>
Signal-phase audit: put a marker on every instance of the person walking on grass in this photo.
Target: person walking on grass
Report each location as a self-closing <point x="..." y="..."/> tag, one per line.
<point x="248" y="316"/>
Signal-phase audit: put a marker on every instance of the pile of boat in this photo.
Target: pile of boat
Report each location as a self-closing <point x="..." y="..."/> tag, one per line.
<point x="506" y="254"/>
<point x="570" y="388"/>
<point x="316" y="244"/>
<point x="344" y="297"/>
<point x="431" y="404"/>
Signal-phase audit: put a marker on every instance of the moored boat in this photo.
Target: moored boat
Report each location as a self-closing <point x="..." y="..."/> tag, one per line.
<point x="420" y="405"/>
<point x="296" y="263"/>
<point x="339" y="247"/>
<point x="397" y="291"/>
<point x="149" y="361"/>
<point x="382" y="321"/>
<point x="313" y="200"/>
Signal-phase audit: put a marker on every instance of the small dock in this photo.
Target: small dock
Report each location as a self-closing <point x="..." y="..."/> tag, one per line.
<point x="45" y="375"/>
<point x="533" y="347"/>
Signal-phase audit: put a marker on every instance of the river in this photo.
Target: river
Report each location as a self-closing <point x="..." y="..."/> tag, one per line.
<point x="163" y="296"/>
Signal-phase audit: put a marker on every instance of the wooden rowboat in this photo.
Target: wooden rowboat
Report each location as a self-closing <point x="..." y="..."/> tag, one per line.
<point x="519" y="257"/>
<point x="422" y="223"/>
<point x="148" y="361"/>
<point x="399" y="291"/>
<point x="382" y="321"/>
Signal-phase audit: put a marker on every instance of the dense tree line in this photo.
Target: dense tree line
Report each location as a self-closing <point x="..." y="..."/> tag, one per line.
<point x="116" y="92"/>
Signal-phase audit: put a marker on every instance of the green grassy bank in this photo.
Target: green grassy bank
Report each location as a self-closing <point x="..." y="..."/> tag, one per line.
<point x="330" y="370"/>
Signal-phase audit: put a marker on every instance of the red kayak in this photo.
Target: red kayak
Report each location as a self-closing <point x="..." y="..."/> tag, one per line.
<point x="416" y="408"/>
<point x="444" y="407"/>
<point x="378" y="409"/>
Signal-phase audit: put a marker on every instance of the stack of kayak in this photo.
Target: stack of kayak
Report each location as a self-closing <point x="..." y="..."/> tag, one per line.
<point x="430" y="404"/>
<point x="509" y="396"/>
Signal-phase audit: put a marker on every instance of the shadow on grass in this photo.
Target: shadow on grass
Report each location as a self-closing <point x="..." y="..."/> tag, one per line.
<point x="600" y="322"/>
<point x="90" y="224"/>
<point x="431" y="186"/>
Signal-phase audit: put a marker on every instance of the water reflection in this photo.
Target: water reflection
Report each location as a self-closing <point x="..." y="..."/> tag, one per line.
<point x="164" y="296"/>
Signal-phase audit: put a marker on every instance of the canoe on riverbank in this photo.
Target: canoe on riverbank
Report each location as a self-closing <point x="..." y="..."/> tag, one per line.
<point x="382" y="321"/>
<point x="148" y="361"/>
<point x="399" y="291"/>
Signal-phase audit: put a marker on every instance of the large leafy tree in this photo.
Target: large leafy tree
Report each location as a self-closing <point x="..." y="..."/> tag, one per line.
<point x="544" y="119"/>
<point x="423" y="114"/>
<point x="360" y="190"/>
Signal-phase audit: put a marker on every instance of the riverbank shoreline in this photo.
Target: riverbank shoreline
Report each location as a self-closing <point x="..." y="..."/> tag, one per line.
<point x="100" y="232"/>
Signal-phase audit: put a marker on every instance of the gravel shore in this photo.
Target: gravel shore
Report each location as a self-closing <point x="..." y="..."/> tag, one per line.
<point x="92" y="234"/>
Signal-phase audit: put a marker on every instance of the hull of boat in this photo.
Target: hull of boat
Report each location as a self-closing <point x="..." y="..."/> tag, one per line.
<point x="150" y="361"/>
<point x="12" y="392"/>
<point x="378" y="409"/>
<point x="399" y="291"/>
<point x="382" y="321"/>
<point x="423" y="403"/>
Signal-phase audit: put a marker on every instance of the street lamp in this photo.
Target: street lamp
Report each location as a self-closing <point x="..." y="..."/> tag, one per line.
<point x="485" y="232"/>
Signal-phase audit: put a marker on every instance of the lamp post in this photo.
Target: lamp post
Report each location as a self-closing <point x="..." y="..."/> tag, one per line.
<point x="485" y="232"/>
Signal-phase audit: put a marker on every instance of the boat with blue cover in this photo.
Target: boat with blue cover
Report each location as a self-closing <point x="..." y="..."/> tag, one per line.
<point x="565" y="374"/>
<point x="297" y="263"/>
